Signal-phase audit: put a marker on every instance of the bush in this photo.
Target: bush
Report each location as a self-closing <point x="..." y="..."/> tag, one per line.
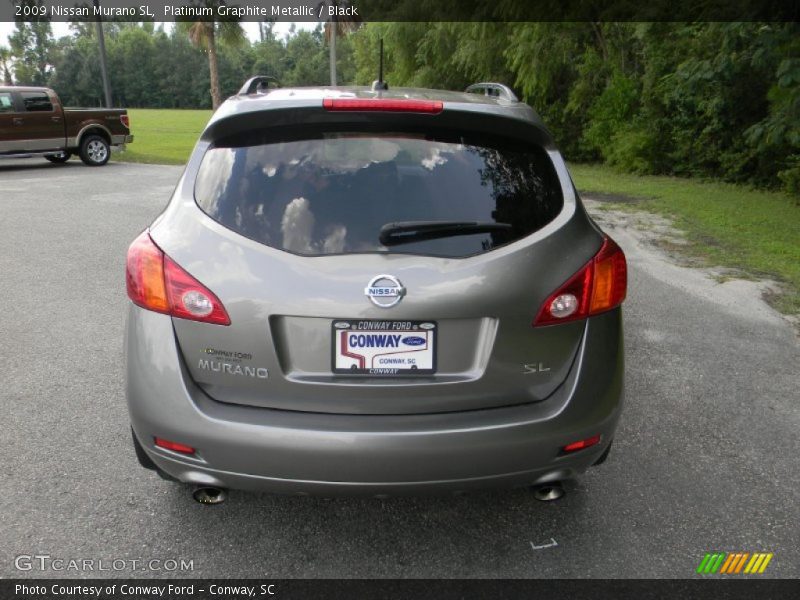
<point x="611" y="111"/>
<point x="791" y="178"/>
<point x="634" y="149"/>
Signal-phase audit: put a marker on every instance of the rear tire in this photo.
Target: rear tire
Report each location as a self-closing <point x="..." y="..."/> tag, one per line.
<point x="95" y="151"/>
<point x="59" y="158"/>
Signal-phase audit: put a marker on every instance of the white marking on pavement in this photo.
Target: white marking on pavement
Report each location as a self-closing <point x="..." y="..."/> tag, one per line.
<point x="552" y="544"/>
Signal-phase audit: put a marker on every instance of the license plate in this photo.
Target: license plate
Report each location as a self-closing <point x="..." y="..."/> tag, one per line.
<point x="383" y="348"/>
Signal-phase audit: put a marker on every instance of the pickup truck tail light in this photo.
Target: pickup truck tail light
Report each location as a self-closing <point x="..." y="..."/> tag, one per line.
<point x="126" y="120"/>
<point x="597" y="287"/>
<point x="158" y="283"/>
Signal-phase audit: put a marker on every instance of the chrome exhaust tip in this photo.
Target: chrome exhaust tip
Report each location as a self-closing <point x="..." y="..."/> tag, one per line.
<point x="204" y="494"/>
<point x="548" y="492"/>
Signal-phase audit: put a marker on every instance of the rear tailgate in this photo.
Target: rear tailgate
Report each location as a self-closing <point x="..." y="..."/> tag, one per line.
<point x="289" y="333"/>
<point x="293" y="266"/>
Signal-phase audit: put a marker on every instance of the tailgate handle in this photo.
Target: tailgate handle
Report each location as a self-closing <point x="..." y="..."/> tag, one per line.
<point x="18" y="121"/>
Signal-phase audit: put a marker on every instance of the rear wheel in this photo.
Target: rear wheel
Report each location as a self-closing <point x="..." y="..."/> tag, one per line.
<point x="59" y="158"/>
<point x="95" y="151"/>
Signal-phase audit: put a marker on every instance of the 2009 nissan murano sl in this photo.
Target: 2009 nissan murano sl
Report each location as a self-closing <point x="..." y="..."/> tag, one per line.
<point x="360" y="290"/>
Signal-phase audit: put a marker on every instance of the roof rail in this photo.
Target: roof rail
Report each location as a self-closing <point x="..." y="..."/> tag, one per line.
<point x="495" y="90"/>
<point x="257" y="85"/>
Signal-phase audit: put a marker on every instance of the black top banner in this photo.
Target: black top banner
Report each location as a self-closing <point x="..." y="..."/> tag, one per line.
<point x="401" y="10"/>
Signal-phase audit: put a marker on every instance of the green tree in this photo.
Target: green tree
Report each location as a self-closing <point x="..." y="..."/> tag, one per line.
<point x="133" y="44"/>
<point x="31" y="46"/>
<point x="269" y="54"/>
<point x="76" y="73"/>
<point x="5" y="65"/>
<point x="306" y="59"/>
<point x="414" y="55"/>
<point x="777" y="136"/>
<point x="181" y="73"/>
<point x="205" y="35"/>
<point x="337" y="26"/>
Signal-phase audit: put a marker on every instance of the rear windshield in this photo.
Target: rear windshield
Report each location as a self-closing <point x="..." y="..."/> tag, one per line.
<point x="332" y="194"/>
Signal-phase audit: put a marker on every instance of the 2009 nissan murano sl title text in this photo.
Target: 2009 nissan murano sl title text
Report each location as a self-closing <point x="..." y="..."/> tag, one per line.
<point x="364" y="290"/>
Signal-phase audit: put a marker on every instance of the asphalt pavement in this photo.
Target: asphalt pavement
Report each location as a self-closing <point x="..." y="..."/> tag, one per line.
<point x="705" y="459"/>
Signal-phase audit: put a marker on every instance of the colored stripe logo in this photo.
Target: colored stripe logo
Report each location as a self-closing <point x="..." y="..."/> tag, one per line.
<point x="734" y="563"/>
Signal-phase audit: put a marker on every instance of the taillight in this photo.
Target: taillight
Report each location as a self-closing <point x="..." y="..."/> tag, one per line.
<point x="125" y="121"/>
<point x="598" y="286"/>
<point x="157" y="283"/>
<point x="382" y="105"/>
<point x="144" y="275"/>
<point x="189" y="299"/>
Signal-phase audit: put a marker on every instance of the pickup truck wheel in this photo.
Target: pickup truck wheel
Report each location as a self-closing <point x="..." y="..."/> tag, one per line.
<point x="95" y="151"/>
<point x="59" y="158"/>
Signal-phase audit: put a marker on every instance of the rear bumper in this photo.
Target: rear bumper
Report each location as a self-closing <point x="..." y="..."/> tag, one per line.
<point x="243" y="447"/>
<point x="119" y="140"/>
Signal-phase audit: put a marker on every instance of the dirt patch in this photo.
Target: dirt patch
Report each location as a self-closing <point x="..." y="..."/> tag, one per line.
<point x="653" y="240"/>
<point x="612" y="198"/>
<point x="676" y="249"/>
<point x="654" y="229"/>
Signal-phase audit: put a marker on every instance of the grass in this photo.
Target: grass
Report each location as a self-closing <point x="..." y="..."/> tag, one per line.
<point x="733" y="226"/>
<point x="728" y="225"/>
<point x="163" y="136"/>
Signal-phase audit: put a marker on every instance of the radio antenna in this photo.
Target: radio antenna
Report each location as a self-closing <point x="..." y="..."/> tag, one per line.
<point x="379" y="84"/>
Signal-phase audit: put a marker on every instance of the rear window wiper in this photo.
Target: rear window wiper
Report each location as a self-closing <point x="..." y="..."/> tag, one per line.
<point x="393" y="234"/>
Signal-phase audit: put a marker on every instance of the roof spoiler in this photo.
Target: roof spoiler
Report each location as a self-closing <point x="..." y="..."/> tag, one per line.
<point x="495" y="90"/>
<point x="258" y="85"/>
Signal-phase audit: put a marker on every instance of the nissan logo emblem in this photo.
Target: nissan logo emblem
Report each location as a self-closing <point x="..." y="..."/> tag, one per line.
<point x="385" y="291"/>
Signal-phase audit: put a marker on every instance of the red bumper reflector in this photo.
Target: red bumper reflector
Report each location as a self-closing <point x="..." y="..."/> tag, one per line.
<point x="580" y="445"/>
<point x="174" y="446"/>
<point x="430" y="107"/>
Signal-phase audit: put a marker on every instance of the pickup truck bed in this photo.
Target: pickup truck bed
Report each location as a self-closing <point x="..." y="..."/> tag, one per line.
<point x="33" y="121"/>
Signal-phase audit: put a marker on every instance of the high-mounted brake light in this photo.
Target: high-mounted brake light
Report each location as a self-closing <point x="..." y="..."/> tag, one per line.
<point x="598" y="286"/>
<point x="431" y="107"/>
<point x="125" y="120"/>
<point x="174" y="446"/>
<point x="158" y="283"/>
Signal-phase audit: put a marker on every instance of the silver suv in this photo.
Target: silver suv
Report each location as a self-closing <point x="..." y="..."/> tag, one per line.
<point x="373" y="291"/>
